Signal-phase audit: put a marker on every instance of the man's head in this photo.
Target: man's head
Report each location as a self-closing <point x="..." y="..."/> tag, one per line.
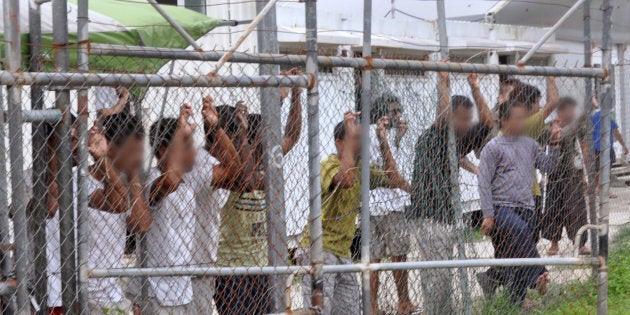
<point x="343" y="139"/>
<point x="566" y="110"/>
<point x="162" y="135"/>
<point x="506" y="87"/>
<point x="255" y="136"/>
<point x="512" y="115"/>
<point x="52" y="140"/>
<point x="528" y="95"/>
<point x="125" y="136"/>
<point x="462" y="108"/>
<point x="388" y="105"/>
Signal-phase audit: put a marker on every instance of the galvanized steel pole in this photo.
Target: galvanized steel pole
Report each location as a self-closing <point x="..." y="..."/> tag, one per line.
<point x="18" y="193"/>
<point x="83" y="172"/>
<point x="366" y="100"/>
<point x="39" y="213"/>
<point x="315" y="198"/>
<point x="604" y="166"/>
<point x="272" y="140"/>
<point x="65" y="157"/>
<point x="591" y="168"/>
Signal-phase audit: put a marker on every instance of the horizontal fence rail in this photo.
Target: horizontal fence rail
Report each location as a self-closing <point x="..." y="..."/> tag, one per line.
<point x="324" y="61"/>
<point x="241" y="271"/>
<point x="88" y="79"/>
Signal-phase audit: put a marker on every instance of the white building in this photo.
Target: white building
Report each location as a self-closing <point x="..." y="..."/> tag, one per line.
<point x="478" y="31"/>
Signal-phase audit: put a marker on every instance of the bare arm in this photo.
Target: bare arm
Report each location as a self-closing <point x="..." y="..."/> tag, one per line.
<point x="619" y="138"/>
<point x="394" y="179"/>
<point x="170" y="163"/>
<point x="485" y="115"/>
<point x="118" y="107"/>
<point x="467" y="164"/>
<point x="552" y="97"/>
<point x="294" y="123"/>
<point x="140" y="218"/>
<point x="444" y="112"/>
<point x="346" y="174"/>
<point x="113" y="196"/>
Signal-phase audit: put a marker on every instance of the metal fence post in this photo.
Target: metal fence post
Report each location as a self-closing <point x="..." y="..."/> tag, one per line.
<point x="366" y="100"/>
<point x="65" y="157"/>
<point x="18" y="193"/>
<point x="604" y="166"/>
<point x="454" y="173"/>
<point x="274" y="178"/>
<point x="588" y="107"/>
<point x="83" y="173"/>
<point x="315" y="198"/>
<point x="40" y="155"/>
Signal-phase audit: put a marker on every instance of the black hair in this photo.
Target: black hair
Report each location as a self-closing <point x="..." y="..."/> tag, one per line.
<point x="505" y="108"/>
<point x="340" y="131"/>
<point x="227" y="122"/>
<point x="458" y="101"/>
<point x="526" y="94"/>
<point x="380" y="106"/>
<point x="117" y="128"/>
<point x="162" y="133"/>
<point x="565" y="102"/>
<point x="255" y="126"/>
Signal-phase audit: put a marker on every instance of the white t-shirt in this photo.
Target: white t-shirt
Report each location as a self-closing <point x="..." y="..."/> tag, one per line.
<point x="386" y="200"/>
<point x="106" y="243"/>
<point x="53" y="243"/>
<point x="207" y="217"/>
<point x="170" y="241"/>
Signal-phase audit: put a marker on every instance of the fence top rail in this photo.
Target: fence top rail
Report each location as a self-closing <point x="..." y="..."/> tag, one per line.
<point x="76" y="80"/>
<point x="324" y="61"/>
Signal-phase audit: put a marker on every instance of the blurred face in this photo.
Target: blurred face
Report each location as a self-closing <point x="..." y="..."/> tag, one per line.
<point x="462" y="119"/>
<point x="129" y="156"/>
<point x="395" y="115"/>
<point x="535" y="107"/>
<point x="567" y="114"/>
<point x="354" y="142"/>
<point x="515" y="124"/>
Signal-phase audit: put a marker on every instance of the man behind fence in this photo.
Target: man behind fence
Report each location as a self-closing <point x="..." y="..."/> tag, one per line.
<point x="431" y="205"/>
<point x="341" y="197"/>
<point x="174" y="183"/>
<point x="390" y="236"/>
<point x="505" y="189"/>
<point x="114" y="205"/>
<point x="565" y="184"/>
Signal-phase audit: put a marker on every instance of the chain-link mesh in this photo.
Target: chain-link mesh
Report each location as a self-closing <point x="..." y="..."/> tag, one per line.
<point x="173" y="186"/>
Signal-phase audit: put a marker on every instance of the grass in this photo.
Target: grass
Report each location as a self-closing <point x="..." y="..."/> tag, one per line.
<point x="579" y="297"/>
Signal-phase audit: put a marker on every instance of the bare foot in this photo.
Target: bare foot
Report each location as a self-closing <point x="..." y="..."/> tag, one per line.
<point x="554" y="249"/>
<point x="584" y="250"/>
<point x="406" y="308"/>
<point x="542" y="282"/>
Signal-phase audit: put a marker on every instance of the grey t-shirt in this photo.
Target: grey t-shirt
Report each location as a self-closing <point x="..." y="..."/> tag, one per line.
<point x="505" y="173"/>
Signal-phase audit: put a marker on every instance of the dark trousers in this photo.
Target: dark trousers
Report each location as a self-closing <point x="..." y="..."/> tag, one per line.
<point x="566" y="208"/>
<point x="243" y="295"/>
<point x="513" y="237"/>
<point x="497" y="274"/>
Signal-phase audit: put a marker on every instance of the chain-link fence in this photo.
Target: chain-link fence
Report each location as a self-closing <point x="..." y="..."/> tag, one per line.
<point x="285" y="182"/>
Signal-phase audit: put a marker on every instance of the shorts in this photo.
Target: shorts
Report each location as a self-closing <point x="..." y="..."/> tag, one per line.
<point x="342" y="294"/>
<point x="203" y="294"/>
<point x="243" y="295"/>
<point x="390" y="237"/>
<point x="155" y="308"/>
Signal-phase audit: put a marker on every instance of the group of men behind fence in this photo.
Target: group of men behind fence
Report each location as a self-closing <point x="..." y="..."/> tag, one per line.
<point x="205" y="204"/>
